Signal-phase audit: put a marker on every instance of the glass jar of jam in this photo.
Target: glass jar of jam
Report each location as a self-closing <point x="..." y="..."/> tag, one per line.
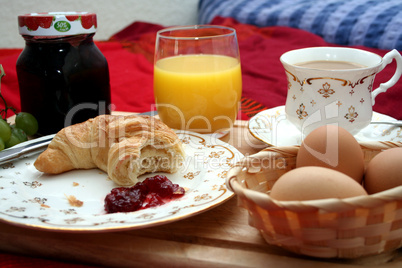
<point x="63" y="77"/>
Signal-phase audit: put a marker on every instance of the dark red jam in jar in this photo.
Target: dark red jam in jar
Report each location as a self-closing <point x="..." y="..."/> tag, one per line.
<point x="63" y="77"/>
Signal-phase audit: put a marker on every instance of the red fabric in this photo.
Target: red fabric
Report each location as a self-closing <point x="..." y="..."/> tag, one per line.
<point x="130" y="57"/>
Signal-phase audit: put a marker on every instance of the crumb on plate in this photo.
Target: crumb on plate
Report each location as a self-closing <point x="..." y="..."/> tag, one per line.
<point x="74" y="202"/>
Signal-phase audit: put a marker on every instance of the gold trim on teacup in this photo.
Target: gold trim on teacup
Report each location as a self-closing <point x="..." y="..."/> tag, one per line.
<point x="344" y="82"/>
<point x="301" y="83"/>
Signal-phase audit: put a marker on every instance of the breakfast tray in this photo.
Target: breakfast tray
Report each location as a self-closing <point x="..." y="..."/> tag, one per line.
<point x="328" y="228"/>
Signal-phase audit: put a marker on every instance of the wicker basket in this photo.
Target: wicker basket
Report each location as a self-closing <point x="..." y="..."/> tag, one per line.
<point x="328" y="228"/>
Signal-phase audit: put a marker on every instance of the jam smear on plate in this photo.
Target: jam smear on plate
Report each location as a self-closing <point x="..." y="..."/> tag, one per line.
<point x="152" y="192"/>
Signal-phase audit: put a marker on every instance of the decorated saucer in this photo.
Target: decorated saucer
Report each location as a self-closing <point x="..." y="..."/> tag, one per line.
<point x="272" y="127"/>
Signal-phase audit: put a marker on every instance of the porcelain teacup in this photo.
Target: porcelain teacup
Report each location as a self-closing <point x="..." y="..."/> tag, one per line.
<point x="332" y="93"/>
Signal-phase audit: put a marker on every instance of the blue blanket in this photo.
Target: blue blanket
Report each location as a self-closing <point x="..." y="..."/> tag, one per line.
<point x="370" y="23"/>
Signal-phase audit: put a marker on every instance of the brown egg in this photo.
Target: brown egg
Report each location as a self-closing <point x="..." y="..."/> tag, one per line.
<point x="384" y="171"/>
<point x="332" y="147"/>
<point x="312" y="183"/>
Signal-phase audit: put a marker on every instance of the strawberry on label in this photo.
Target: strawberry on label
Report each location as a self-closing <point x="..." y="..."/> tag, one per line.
<point x="21" y="21"/>
<point x="72" y="17"/>
<point x="88" y="21"/>
<point x="30" y="22"/>
<point x="45" y="22"/>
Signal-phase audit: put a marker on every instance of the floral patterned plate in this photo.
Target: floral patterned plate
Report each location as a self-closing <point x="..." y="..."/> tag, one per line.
<point x="272" y="127"/>
<point x="29" y="198"/>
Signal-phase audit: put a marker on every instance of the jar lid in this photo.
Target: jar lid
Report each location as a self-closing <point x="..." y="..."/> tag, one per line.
<point x="57" y="23"/>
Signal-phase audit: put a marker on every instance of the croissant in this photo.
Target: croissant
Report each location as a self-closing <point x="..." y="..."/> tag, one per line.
<point x="123" y="146"/>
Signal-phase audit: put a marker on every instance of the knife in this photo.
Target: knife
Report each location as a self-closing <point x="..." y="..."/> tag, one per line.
<point x="13" y="153"/>
<point x="33" y="147"/>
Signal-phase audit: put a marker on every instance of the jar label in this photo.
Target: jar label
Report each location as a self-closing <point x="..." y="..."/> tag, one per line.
<point x="62" y="26"/>
<point x="54" y="23"/>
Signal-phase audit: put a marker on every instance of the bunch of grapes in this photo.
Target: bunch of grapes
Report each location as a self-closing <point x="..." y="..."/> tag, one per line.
<point x="10" y="135"/>
<point x="25" y="124"/>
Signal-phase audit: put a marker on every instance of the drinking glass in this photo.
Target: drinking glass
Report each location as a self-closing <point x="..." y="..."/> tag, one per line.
<point x="197" y="77"/>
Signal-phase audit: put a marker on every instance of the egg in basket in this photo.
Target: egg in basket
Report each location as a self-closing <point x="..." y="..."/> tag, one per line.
<point x="346" y="206"/>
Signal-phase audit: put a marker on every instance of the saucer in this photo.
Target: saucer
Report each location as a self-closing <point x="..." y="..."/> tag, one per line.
<point x="272" y="127"/>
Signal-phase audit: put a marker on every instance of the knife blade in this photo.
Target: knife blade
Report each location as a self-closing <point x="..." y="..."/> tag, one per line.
<point x="33" y="147"/>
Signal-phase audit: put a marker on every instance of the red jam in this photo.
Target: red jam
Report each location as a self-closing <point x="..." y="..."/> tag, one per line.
<point x="152" y="192"/>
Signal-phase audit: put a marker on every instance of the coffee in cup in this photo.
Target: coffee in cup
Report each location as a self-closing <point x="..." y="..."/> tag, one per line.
<point x="334" y="85"/>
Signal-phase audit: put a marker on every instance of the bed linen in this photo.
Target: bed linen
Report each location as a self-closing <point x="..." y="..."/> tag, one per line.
<point x="371" y="23"/>
<point x="130" y="56"/>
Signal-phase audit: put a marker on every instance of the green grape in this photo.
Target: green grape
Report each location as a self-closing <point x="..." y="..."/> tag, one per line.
<point x="17" y="136"/>
<point x="19" y="133"/>
<point x="27" y="122"/>
<point x="5" y="130"/>
<point x="13" y="140"/>
<point x="2" y="146"/>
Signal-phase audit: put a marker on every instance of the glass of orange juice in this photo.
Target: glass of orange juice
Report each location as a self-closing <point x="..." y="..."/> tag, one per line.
<point x="197" y="77"/>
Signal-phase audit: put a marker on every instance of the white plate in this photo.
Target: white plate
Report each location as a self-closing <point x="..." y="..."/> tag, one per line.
<point x="32" y="199"/>
<point x="272" y="127"/>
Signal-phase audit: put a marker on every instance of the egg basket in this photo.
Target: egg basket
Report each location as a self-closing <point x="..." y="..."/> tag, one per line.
<point x="328" y="228"/>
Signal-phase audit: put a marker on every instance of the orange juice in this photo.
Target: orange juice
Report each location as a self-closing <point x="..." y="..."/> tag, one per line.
<point x="198" y="92"/>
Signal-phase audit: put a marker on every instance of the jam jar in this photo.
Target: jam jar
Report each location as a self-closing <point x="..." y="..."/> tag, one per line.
<point x="63" y="77"/>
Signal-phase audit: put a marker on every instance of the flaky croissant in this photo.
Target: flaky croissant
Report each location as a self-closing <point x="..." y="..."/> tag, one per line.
<point x="123" y="146"/>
